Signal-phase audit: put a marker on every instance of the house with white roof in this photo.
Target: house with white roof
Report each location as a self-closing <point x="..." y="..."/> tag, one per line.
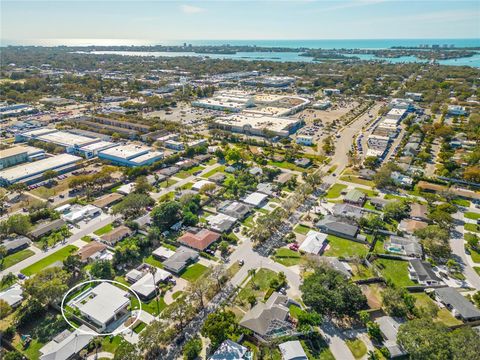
<point x="313" y="243"/>
<point x="256" y="199"/>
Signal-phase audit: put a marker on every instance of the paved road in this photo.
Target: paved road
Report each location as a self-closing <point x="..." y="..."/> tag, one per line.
<point x="457" y="244"/>
<point x="335" y="342"/>
<point x="91" y="227"/>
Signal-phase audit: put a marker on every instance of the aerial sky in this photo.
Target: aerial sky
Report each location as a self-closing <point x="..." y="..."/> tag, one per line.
<point x="137" y="21"/>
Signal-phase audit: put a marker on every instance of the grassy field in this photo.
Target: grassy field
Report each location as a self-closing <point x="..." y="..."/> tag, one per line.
<point x="287" y="257"/>
<point x="285" y="165"/>
<point x="475" y="255"/>
<point x="343" y="247"/>
<point x="395" y="270"/>
<point x="444" y="316"/>
<point x="194" y="271"/>
<point x="186" y="173"/>
<point x="461" y="202"/>
<point x="370" y="193"/>
<point x="335" y="191"/>
<point x="472" y="227"/>
<point x="249" y="222"/>
<point x="59" y="255"/>
<point x="472" y="215"/>
<point x="45" y="192"/>
<point x="357" y="347"/>
<point x="167" y="183"/>
<point x="103" y="230"/>
<point x="301" y="229"/>
<point x="15" y="258"/>
<point x="212" y="172"/>
<point x="257" y="286"/>
<point x="357" y="180"/>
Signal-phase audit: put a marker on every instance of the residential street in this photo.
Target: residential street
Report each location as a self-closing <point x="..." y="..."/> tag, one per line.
<point x="94" y="224"/>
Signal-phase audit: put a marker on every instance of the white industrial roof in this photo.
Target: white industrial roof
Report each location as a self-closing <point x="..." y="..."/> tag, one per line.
<point x="97" y="146"/>
<point x="33" y="168"/>
<point x="313" y="242"/>
<point x="107" y="301"/>
<point x="66" y="139"/>
<point x="126" y="151"/>
<point x="148" y="156"/>
<point x="258" y="122"/>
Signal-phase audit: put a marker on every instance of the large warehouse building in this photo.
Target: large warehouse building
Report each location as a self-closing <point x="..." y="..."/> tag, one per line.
<point x="32" y="172"/>
<point x="259" y="125"/>
<point x="130" y="155"/>
<point x="19" y="154"/>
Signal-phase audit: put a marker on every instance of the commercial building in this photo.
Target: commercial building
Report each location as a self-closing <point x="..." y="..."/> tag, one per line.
<point x="15" y="110"/>
<point x="226" y="101"/>
<point x="102" y="304"/>
<point x="130" y="155"/>
<point x="270" y="81"/>
<point x="30" y="173"/>
<point x="259" y="125"/>
<point x="305" y="140"/>
<point x="78" y="213"/>
<point x="18" y="155"/>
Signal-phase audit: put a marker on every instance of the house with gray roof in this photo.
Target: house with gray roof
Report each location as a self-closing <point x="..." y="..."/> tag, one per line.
<point x="46" y="228"/>
<point x="67" y="344"/>
<point x="407" y="246"/>
<point x="389" y="328"/>
<point x="180" y="260"/>
<point x="270" y="319"/>
<point x="15" y="244"/>
<point x="339" y="227"/>
<point x="292" y="350"/>
<point x="421" y="272"/>
<point x="348" y="211"/>
<point x="355" y="197"/>
<point x="455" y="302"/>
<point x="234" y="209"/>
<point x="13" y="296"/>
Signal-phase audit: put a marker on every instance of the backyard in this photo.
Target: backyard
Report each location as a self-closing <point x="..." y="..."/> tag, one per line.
<point x="394" y="270"/>
<point x="338" y="246"/>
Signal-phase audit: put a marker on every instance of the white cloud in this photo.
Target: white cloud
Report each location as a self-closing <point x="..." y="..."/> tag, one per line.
<point x="190" y="9"/>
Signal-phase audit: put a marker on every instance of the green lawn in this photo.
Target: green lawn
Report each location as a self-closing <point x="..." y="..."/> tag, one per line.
<point x="150" y="306"/>
<point x="301" y="229"/>
<point x="193" y="272"/>
<point x="395" y="270"/>
<point x="369" y="206"/>
<point x="472" y="215"/>
<point x="393" y="197"/>
<point x="287" y="257"/>
<point x="15" y="258"/>
<point x="139" y="327"/>
<point x="59" y="255"/>
<point x="111" y="343"/>
<point x="357" y="180"/>
<point x="472" y="227"/>
<point x="444" y="316"/>
<point x="249" y="222"/>
<point x="343" y="247"/>
<point x="370" y="193"/>
<point x="357" y="347"/>
<point x="461" y="202"/>
<point x="285" y="165"/>
<point x="167" y="183"/>
<point x="475" y="255"/>
<point x="186" y="173"/>
<point x="103" y="230"/>
<point x="152" y="261"/>
<point x="317" y="349"/>
<point x="257" y="286"/>
<point x="335" y="191"/>
<point x="218" y="169"/>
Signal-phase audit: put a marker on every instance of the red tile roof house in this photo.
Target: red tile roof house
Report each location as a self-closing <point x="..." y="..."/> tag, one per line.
<point x="198" y="239"/>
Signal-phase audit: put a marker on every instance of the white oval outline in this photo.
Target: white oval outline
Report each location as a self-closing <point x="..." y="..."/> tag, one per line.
<point x="93" y="332"/>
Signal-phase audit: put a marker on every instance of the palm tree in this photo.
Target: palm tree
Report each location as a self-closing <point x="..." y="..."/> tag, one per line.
<point x="153" y="271"/>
